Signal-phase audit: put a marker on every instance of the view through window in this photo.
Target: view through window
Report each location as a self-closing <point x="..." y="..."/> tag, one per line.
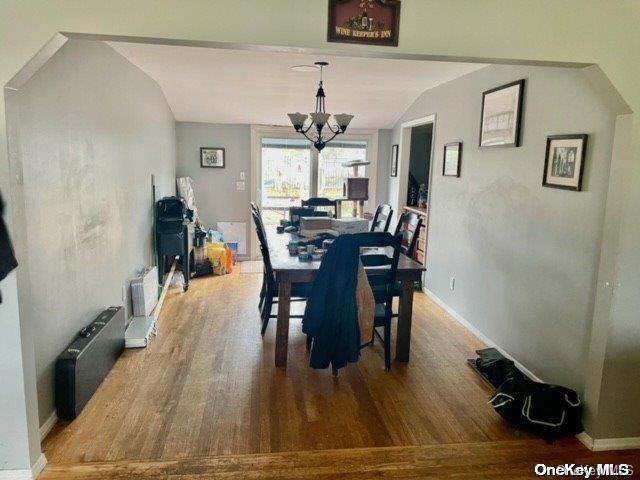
<point x="332" y="172"/>
<point x="289" y="167"/>
<point x="286" y="176"/>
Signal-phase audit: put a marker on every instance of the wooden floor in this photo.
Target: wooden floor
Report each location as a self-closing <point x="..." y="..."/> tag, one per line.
<point x="205" y="400"/>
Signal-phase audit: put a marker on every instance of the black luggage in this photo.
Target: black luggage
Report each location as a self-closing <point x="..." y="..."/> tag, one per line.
<point x="80" y="369"/>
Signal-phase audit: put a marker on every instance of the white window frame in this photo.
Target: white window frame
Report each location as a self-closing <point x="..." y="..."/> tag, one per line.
<point x="258" y="132"/>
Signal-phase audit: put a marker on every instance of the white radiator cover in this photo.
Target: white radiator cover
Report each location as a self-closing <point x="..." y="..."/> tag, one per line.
<point x="235" y="232"/>
<point x="144" y="292"/>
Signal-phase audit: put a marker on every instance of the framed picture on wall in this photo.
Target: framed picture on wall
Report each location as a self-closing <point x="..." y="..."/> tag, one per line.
<point x="212" y="157"/>
<point x="501" y="115"/>
<point x="451" y="160"/>
<point x="564" y="161"/>
<point x="394" y="161"/>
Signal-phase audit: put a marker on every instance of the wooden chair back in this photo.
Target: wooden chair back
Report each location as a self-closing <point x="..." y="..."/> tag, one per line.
<point x="382" y="218"/>
<point x="408" y="228"/>
<point x="315" y="202"/>
<point x="264" y="247"/>
<point x="379" y="254"/>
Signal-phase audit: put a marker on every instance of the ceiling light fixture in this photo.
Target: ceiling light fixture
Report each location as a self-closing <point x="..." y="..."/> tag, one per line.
<point x="305" y="68"/>
<point x="320" y="119"/>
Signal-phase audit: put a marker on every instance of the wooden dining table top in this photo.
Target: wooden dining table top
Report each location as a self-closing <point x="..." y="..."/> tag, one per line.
<point x="282" y="261"/>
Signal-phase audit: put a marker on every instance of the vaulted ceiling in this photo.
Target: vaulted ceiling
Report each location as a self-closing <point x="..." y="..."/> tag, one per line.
<point x="240" y="86"/>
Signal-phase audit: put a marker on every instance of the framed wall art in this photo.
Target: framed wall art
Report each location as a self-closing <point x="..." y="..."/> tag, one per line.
<point x="451" y="160"/>
<point x="369" y="22"/>
<point x="501" y="115"/>
<point x="212" y="157"/>
<point x="564" y="161"/>
<point x="394" y="161"/>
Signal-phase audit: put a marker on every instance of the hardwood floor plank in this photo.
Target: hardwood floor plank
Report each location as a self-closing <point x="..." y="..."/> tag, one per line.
<point x="503" y="460"/>
<point x="207" y="387"/>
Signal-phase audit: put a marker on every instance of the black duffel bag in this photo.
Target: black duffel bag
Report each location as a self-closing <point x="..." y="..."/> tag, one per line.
<point x="549" y="411"/>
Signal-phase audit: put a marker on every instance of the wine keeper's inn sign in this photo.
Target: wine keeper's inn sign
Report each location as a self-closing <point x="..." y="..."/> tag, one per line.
<point x="372" y="22"/>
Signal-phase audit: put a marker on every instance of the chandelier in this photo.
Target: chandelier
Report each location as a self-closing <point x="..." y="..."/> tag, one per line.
<point x="317" y="121"/>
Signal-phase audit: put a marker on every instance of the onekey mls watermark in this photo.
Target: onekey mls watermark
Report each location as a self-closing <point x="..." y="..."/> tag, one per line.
<point x="584" y="471"/>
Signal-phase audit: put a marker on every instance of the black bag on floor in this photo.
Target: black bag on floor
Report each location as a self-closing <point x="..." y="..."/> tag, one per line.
<point x="550" y="411"/>
<point x="494" y="366"/>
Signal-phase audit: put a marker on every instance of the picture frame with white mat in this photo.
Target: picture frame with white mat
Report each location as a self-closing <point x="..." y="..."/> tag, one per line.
<point x="564" y="161"/>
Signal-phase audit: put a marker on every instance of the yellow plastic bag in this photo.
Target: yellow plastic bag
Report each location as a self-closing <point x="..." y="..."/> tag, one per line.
<point x="217" y="255"/>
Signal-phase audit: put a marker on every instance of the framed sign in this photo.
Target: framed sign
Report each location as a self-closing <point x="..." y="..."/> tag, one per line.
<point x="371" y="22"/>
<point x="451" y="161"/>
<point x="502" y="115"/>
<point x="212" y="157"/>
<point x="564" y="161"/>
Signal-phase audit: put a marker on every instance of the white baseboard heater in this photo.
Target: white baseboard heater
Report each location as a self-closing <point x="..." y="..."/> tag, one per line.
<point x="144" y="294"/>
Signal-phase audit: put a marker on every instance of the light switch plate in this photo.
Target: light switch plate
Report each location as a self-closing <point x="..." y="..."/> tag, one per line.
<point x="240" y="186"/>
<point x="242" y="175"/>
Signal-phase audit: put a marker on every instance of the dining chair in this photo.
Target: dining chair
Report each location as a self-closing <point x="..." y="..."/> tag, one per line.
<point x="382" y="218"/>
<point x="315" y="202"/>
<point x="255" y="208"/>
<point x="381" y="269"/>
<point x="299" y="291"/>
<point x="408" y="228"/>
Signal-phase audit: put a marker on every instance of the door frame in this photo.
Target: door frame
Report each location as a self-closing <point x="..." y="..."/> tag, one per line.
<point x="258" y="132"/>
<point x="403" y="168"/>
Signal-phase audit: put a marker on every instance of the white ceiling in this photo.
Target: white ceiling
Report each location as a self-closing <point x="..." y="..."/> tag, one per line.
<point x="238" y="86"/>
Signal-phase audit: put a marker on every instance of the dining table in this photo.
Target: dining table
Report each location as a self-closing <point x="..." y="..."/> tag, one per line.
<point x="290" y="269"/>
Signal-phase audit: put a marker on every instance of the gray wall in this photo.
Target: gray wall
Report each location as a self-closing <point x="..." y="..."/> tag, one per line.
<point x="90" y="131"/>
<point x="613" y="388"/>
<point x="217" y="198"/>
<point x="524" y="257"/>
<point x="215" y="189"/>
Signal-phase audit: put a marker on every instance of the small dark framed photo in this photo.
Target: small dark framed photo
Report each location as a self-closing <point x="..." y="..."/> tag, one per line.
<point x="394" y="161"/>
<point x="451" y="160"/>
<point x="564" y="161"/>
<point x="501" y="115"/>
<point x="212" y="157"/>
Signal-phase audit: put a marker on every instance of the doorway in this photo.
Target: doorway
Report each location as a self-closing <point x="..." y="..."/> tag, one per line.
<point x="415" y="176"/>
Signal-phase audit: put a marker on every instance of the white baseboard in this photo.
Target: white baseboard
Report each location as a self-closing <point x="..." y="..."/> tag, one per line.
<point x="46" y="427"/>
<point x="38" y="467"/>
<point x="597" y="444"/>
<point x="481" y="336"/>
<point x="602" y="444"/>
<point x="26" y="473"/>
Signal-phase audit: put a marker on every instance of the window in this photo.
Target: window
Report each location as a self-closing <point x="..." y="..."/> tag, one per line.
<point x="292" y="170"/>
<point x="286" y="176"/>
<point x="332" y="172"/>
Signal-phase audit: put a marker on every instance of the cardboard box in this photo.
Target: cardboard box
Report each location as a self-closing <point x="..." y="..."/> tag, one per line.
<point x="313" y="226"/>
<point x="315" y="223"/>
<point x="350" y="225"/>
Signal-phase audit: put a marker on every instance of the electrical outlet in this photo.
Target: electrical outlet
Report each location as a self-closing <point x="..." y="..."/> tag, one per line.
<point x="452" y="283"/>
<point x="240" y="186"/>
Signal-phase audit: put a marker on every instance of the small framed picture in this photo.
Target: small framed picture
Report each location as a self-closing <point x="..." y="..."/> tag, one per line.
<point x="451" y="161"/>
<point x="501" y="115"/>
<point x="212" y="157"/>
<point x="394" y="161"/>
<point x="564" y="161"/>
